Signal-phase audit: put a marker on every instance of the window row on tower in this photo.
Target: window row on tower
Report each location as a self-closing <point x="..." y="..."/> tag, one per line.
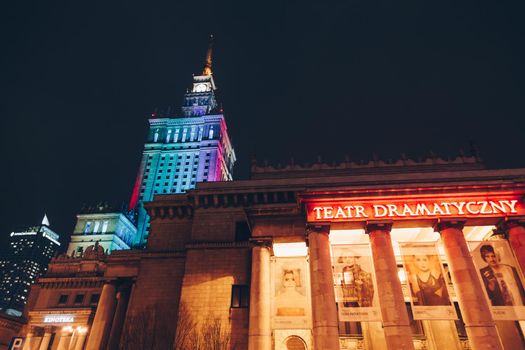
<point x="185" y="134"/>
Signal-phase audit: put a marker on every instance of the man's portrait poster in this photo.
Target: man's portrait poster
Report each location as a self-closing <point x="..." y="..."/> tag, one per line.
<point x="354" y="282"/>
<point x="501" y="278"/>
<point x="290" y="293"/>
<point x="427" y="282"/>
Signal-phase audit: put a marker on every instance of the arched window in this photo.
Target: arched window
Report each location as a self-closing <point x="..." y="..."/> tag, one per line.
<point x="295" y="343"/>
<point x="210" y="134"/>
<point x="156" y="136"/>
<point x="97" y="227"/>
<point x="201" y="129"/>
<point x="168" y="136"/>
<point x="105" y="226"/>
<point x="176" y="137"/>
<point x="184" y="132"/>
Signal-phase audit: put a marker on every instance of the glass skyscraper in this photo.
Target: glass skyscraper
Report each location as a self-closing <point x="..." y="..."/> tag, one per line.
<point x="24" y="260"/>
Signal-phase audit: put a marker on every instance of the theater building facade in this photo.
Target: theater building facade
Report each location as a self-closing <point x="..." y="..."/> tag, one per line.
<point x="401" y="255"/>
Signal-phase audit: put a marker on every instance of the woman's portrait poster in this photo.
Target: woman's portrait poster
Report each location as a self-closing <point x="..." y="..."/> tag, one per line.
<point x="354" y="282"/>
<point x="501" y="278"/>
<point x="427" y="282"/>
<point x="290" y="293"/>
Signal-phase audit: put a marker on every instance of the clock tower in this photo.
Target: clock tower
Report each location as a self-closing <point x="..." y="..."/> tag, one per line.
<point x="184" y="149"/>
<point x="201" y="99"/>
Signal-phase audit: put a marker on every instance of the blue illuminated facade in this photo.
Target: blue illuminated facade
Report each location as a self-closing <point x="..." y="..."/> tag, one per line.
<point x="182" y="150"/>
<point x="112" y="229"/>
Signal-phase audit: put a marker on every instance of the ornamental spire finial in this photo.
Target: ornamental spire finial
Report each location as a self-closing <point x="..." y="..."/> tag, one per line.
<point x="45" y="220"/>
<point x="207" y="67"/>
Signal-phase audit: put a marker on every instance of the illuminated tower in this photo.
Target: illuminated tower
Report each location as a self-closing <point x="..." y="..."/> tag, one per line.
<point x="24" y="260"/>
<point x="182" y="150"/>
<point x="112" y="229"/>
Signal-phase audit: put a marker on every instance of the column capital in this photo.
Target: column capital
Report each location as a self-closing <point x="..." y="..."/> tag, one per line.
<point x="506" y="224"/>
<point x="371" y="226"/>
<point x="317" y="228"/>
<point x="441" y="225"/>
<point x="264" y="242"/>
<point x="499" y="232"/>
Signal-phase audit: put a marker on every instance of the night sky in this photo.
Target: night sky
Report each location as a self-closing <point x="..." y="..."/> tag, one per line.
<point x="298" y="79"/>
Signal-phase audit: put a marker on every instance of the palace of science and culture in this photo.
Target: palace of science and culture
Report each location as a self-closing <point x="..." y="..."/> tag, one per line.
<point x="404" y="254"/>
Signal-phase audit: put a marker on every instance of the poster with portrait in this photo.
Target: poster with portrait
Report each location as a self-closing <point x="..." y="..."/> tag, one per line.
<point x="291" y="293"/>
<point x="428" y="285"/>
<point x="501" y="278"/>
<point x="354" y="283"/>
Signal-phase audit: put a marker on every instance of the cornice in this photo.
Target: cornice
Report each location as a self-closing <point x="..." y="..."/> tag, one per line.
<point x="218" y="245"/>
<point x="70" y="282"/>
<point x="184" y="205"/>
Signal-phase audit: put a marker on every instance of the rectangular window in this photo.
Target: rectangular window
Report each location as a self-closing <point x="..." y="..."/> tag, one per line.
<point x="240" y="296"/>
<point x="105" y="226"/>
<point x="79" y="299"/>
<point x="351" y="329"/>
<point x="242" y="231"/>
<point x="63" y="299"/>
<point x="87" y="227"/>
<point x="94" y="299"/>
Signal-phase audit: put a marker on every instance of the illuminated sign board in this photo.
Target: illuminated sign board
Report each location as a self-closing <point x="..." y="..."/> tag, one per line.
<point x="59" y="318"/>
<point x="400" y="208"/>
<point x="31" y="233"/>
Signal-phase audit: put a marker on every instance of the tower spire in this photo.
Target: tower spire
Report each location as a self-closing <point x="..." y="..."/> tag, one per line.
<point x="207" y="67"/>
<point x="45" y="220"/>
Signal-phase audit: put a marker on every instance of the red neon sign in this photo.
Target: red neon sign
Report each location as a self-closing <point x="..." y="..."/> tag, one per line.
<point x="400" y="208"/>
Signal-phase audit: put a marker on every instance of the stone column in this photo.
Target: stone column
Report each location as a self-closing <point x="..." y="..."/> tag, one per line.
<point x="479" y="324"/>
<point x="515" y="232"/>
<point x="46" y="339"/>
<point x="65" y="339"/>
<point x="81" y="338"/>
<point x="260" y="331"/>
<point x="120" y="315"/>
<point x="104" y="316"/>
<point x="324" y="311"/>
<point x="30" y="337"/>
<point x="396" y="325"/>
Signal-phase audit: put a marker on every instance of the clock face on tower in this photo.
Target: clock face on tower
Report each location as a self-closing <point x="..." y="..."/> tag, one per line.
<point x="200" y="88"/>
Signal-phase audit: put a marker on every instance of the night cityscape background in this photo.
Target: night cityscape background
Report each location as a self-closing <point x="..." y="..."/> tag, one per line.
<point x="296" y="79"/>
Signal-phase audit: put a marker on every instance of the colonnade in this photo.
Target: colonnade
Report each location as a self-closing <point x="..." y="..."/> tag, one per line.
<point x="104" y="333"/>
<point x="68" y="337"/>
<point x="479" y="323"/>
<point x="109" y="318"/>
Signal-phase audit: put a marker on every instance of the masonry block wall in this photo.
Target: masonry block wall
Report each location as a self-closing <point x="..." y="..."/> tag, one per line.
<point x="207" y="288"/>
<point x="153" y="308"/>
